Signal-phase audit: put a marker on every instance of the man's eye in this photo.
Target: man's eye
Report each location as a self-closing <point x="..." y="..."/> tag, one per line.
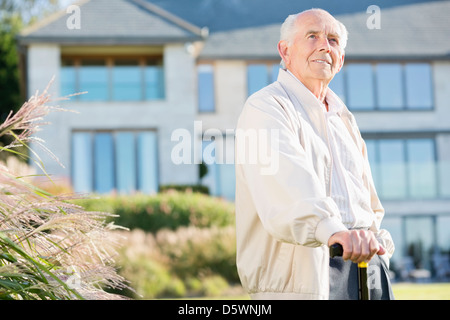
<point x="312" y="36"/>
<point x="334" y="40"/>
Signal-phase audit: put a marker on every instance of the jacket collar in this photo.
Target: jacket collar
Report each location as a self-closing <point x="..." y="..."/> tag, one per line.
<point x="311" y="105"/>
<point x="306" y="103"/>
<point x="296" y="88"/>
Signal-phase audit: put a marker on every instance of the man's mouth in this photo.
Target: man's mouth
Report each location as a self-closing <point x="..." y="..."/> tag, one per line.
<point x="322" y="61"/>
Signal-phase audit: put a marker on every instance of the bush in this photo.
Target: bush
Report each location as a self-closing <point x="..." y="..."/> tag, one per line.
<point x="190" y="261"/>
<point x="167" y="210"/>
<point x="185" y="188"/>
<point x="180" y="243"/>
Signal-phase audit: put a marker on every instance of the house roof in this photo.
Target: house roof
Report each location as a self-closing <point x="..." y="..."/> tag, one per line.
<point x="226" y="15"/>
<point x="249" y="29"/>
<point x="409" y="31"/>
<point x="113" y="22"/>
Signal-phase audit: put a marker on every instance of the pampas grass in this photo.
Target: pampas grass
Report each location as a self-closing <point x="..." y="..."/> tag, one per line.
<point x="50" y="248"/>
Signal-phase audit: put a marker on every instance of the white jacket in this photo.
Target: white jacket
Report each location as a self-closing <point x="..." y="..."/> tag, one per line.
<point x="284" y="212"/>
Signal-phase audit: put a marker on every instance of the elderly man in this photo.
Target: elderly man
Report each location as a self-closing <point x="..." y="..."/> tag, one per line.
<point x="321" y="192"/>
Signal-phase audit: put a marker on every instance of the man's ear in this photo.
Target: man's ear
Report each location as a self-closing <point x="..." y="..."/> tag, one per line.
<point x="283" y="50"/>
<point x="341" y="62"/>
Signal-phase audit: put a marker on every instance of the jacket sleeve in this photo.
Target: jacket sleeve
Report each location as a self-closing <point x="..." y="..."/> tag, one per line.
<point x="289" y="197"/>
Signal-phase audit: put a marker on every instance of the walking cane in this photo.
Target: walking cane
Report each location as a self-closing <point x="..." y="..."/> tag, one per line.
<point x="336" y="250"/>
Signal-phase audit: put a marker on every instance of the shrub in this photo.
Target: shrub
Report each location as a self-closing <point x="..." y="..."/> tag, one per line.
<point x="188" y="187"/>
<point x="200" y="252"/>
<point x="190" y="261"/>
<point x="167" y="210"/>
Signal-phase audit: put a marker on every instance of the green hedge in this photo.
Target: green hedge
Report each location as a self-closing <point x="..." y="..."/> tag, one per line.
<point x="184" y="188"/>
<point x="179" y="243"/>
<point x="190" y="261"/>
<point x="165" y="210"/>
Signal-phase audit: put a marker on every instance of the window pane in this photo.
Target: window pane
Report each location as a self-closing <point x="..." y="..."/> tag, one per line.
<point x="147" y="162"/>
<point x="154" y="83"/>
<point x="206" y="88"/>
<point x="444" y="180"/>
<point x="275" y="71"/>
<point x="443" y="233"/>
<point x="94" y="80"/>
<point x="392" y="169"/>
<point x="389" y="86"/>
<point x="82" y="162"/>
<point x="208" y="159"/>
<point x="126" y="162"/>
<point x="337" y="85"/>
<point x="419" y="240"/>
<point x="257" y="77"/>
<point x="421" y="168"/>
<point x="371" y="152"/>
<point x="226" y="180"/>
<point x="360" y="86"/>
<point x="68" y="80"/>
<point x="127" y="81"/>
<point x="418" y="86"/>
<point x="104" y="163"/>
<point x="394" y="226"/>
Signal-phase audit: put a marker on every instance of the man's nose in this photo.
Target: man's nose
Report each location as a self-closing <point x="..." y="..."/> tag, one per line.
<point x="324" y="45"/>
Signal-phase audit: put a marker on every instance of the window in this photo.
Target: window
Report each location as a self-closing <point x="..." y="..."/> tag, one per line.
<point x="360" y="84"/>
<point x="421" y="241"/>
<point x="113" y="79"/>
<point x="385" y="86"/>
<point x="389" y="86"/>
<point x="392" y="173"/>
<point x="218" y="157"/>
<point x="404" y="168"/>
<point x="93" y="79"/>
<point x="206" y="95"/>
<point x="418" y="86"/>
<point x="122" y="161"/>
<point x="338" y="85"/>
<point x="153" y="81"/>
<point x="261" y="75"/>
<point x="68" y="83"/>
<point x="126" y="81"/>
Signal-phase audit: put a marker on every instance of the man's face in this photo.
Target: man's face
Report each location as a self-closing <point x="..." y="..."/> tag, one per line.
<point x="314" y="53"/>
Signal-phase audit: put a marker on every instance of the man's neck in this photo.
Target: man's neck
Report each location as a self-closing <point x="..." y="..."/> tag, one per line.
<point x="319" y="88"/>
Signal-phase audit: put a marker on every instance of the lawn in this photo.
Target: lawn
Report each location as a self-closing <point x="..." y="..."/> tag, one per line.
<point x="419" y="291"/>
<point x="402" y="291"/>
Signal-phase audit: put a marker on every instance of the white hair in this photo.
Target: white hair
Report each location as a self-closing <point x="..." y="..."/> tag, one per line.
<point x="288" y="29"/>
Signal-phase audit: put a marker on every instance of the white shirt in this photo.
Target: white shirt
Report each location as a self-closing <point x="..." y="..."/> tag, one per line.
<point x="347" y="187"/>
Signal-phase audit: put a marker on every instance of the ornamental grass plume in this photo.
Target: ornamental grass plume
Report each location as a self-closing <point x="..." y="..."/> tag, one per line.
<point x="50" y="248"/>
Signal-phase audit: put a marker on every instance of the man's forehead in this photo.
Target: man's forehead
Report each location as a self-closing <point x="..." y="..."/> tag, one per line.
<point x="313" y="22"/>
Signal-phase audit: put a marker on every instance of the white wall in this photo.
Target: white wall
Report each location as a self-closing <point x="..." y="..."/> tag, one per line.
<point x="43" y="62"/>
<point x="176" y="111"/>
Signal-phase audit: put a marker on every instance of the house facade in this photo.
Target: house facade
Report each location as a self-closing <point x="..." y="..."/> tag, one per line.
<point x="166" y="81"/>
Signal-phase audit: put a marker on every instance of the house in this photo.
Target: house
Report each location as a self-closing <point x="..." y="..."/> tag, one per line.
<point x="166" y="80"/>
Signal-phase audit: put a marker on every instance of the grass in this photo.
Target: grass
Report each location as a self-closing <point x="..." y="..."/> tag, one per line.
<point x="402" y="291"/>
<point x="421" y="291"/>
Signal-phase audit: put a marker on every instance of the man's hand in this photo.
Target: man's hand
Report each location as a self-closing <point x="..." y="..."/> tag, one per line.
<point x="358" y="245"/>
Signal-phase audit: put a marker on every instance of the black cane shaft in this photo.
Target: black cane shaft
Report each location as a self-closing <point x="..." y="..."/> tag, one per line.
<point x="336" y="250"/>
<point x="363" y="288"/>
